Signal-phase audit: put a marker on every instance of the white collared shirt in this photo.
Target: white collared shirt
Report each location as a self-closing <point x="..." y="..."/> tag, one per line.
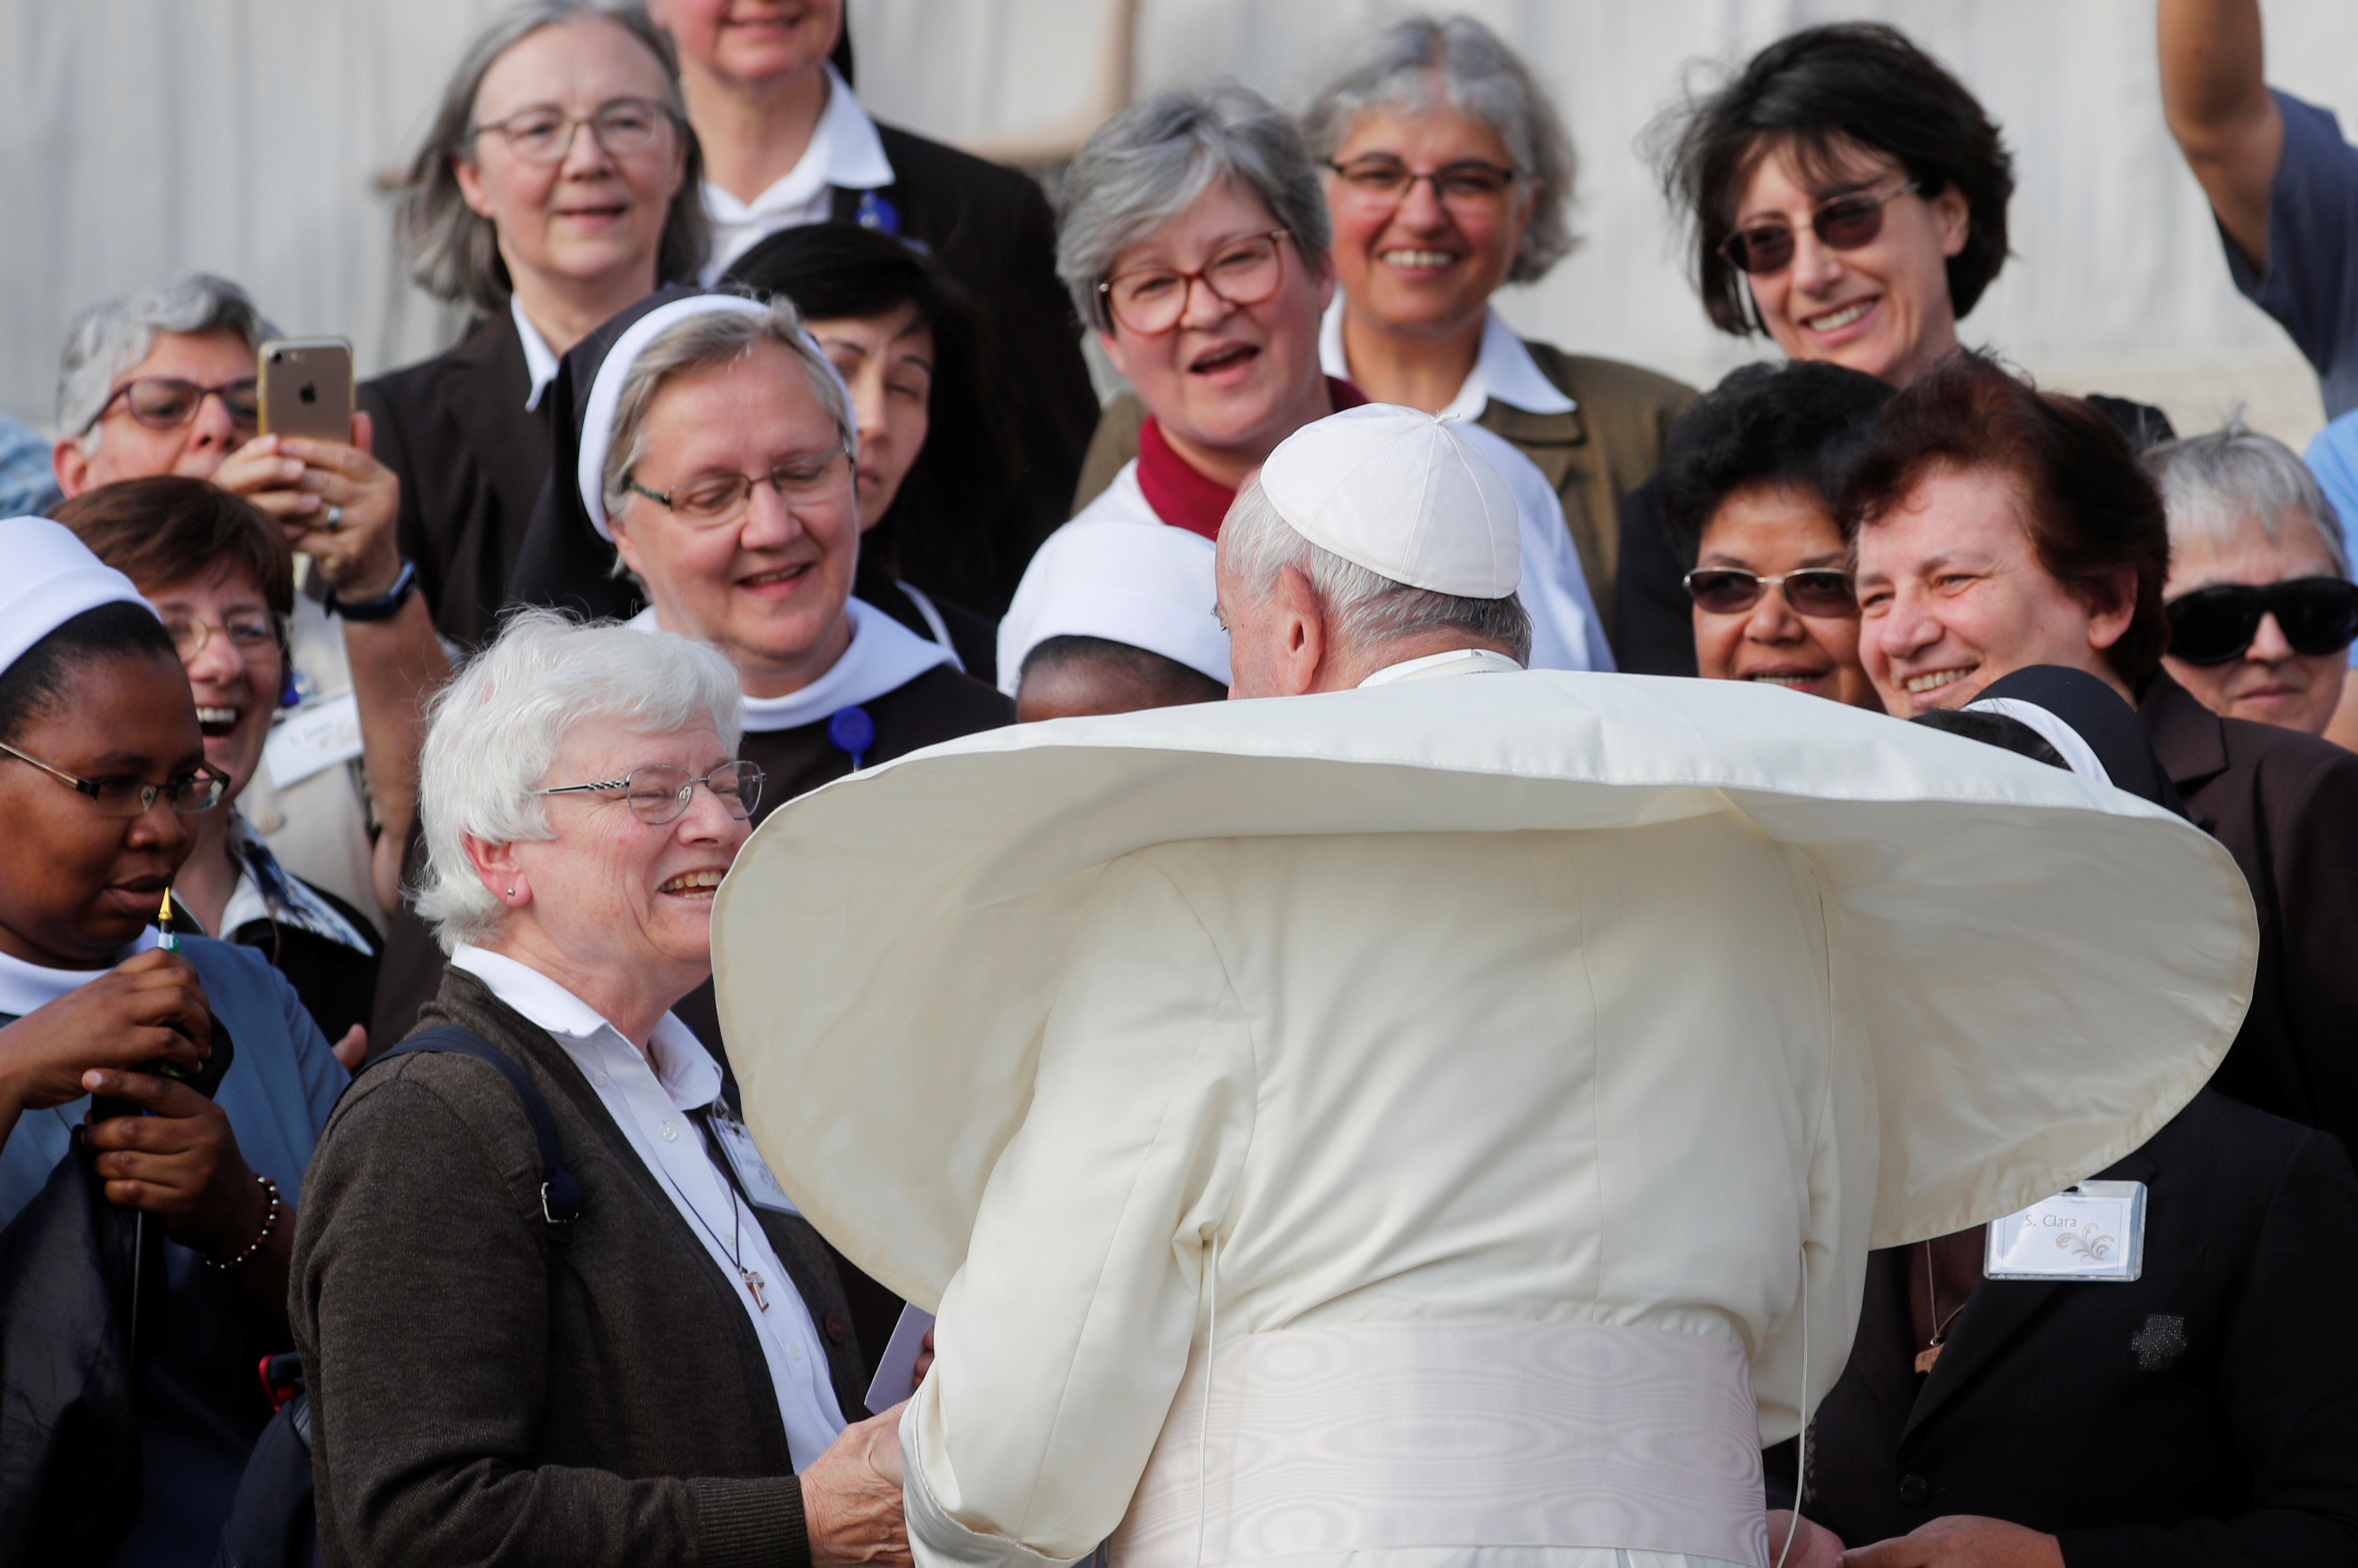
<point x="652" y="1107"/>
<point x="1456" y="662"/>
<point x="538" y="357"/>
<point x="24" y="986"/>
<point x="844" y="150"/>
<point x="1503" y="369"/>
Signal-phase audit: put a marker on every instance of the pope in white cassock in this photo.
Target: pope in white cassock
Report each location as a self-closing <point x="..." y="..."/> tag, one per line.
<point x="1442" y="1119"/>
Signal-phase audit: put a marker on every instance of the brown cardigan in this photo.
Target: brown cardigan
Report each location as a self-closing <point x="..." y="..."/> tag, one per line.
<point x="464" y="1408"/>
<point x="1607" y="445"/>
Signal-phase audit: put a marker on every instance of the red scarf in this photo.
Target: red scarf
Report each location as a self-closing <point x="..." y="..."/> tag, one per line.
<point x="1180" y="494"/>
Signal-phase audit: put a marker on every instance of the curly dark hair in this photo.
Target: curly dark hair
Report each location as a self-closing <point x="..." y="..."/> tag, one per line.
<point x="1793" y="423"/>
<point x="2087" y="505"/>
<point x="1820" y="93"/>
<point x="936" y="534"/>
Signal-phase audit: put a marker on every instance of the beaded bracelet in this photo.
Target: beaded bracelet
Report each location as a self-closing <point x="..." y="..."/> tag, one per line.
<point x="269" y="1224"/>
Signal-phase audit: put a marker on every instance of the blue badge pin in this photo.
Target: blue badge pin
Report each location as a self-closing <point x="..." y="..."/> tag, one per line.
<point x="851" y="731"/>
<point x="875" y="213"/>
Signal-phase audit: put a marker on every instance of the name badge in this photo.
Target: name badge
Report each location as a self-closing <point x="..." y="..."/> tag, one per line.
<point x="312" y="740"/>
<point x="753" y="1171"/>
<point x="2093" y="1232"/>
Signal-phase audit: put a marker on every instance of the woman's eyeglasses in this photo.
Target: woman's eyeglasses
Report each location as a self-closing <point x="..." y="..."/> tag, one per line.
<point x="543" y="134"/>
<point x="190" y="796"/>
<point x="250" y="635"/>
<point x="1730" y="591"/>
<point x="167" y="403"/>
<point x="1152" y="300"/>
<point x="1376" y="181"/>
<point x="659" y="792"/>
<point x="2212" y="625"/>
<point x="1844" y="224"/>
<point x="710" y="499"/>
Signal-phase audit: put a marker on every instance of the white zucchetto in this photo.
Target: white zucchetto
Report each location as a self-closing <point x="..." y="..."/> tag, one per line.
<point x="52" y="578"/>
<point x="1402" y="493"/>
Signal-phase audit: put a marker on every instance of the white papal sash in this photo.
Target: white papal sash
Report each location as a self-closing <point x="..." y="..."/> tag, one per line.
<point x="1378" y="1437"/>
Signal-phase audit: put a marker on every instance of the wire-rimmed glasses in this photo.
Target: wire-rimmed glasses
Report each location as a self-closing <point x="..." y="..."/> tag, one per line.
<point x="190" y="796"/>
<point x="659" y="792"/>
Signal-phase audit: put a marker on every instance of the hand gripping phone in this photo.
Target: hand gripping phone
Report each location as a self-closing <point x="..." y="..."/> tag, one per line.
<point x="306" y="387"/>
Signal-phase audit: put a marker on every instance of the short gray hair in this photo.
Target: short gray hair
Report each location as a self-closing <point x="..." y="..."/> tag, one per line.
<point x="1148" y="164"/>
<point x="707" y="343"/>
<point x="1419" y="60"/>
<point x="454" y="251"/>
<point x="496" y="729"/>
<point x="2213" y="483"/>
<point x="1367" y="608"/>
<point x="111" y="337"/>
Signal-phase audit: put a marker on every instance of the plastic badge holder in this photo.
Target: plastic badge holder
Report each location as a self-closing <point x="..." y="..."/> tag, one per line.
<point x="2093" y="1233"/>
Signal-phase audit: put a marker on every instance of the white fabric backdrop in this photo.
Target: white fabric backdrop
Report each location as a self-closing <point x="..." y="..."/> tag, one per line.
<point x="142" y="137"/>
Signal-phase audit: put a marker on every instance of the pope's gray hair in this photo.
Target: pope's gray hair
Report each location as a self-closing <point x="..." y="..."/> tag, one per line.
<point x="111" y="337"/>
<point x="495" y="727"/>
<point x="454" y="251"/>
<point x="2212" y="483"/>
<point x="1419" y="60"/>
<point x="707" y="343"/>
<point x="1148" y="165"/>
<point x="1364" y="608"/>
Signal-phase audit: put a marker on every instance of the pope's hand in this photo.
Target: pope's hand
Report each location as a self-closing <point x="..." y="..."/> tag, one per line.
<point x="1961" y="1540"/>
<point x="851" y="1498"/>
<point x="1814" y="1546"/>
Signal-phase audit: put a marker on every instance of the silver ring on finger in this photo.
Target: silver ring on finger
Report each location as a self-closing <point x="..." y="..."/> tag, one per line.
<point x="335" y="520"/>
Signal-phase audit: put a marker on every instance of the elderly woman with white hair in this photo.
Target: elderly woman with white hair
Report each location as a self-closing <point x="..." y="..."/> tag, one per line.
<point x="2262" y="610"/>
<point x="552" y="1305"/>
<point x="1195" y="240"/>
<point x="1448" y="176"/>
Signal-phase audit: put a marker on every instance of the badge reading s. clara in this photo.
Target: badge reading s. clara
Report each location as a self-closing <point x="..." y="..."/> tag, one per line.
<point x="2093" y="1232"/>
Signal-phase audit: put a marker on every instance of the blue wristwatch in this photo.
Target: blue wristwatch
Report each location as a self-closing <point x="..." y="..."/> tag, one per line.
<point x="385" y="606"/>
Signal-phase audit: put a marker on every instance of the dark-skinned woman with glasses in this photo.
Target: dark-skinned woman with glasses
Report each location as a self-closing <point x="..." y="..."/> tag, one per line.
<point x="650" y="1362"/>
<point x="1846" y="197"/>
<point x="218" y="572"/>
<point x="557" y="185"/>
<point x="102" y="779"/>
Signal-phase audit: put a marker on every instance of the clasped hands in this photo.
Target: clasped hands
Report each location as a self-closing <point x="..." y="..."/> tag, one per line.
<point x="1954" y="1540"/>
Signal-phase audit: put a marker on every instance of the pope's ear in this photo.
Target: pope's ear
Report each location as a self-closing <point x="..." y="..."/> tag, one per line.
<point x="1302" y="631"/>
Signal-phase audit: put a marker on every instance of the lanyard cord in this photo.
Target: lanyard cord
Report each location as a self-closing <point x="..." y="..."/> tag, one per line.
<point x="1204" y="1422"/>
<point x="736" y="1250"/>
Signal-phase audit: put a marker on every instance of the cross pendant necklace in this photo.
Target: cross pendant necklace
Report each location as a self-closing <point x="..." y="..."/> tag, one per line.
<point x="1927" y="1357"/>
<point x="754" y="1283"/>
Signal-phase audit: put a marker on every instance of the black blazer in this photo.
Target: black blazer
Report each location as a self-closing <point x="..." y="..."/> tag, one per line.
<point x="470" y="458"/>
<point x="993" y="231"/>
<point x="2286" y="806"/>
<point x="2205" y="1414"/>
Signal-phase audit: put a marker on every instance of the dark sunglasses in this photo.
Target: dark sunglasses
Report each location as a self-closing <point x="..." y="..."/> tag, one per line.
<point x="2212" y="625"/>
<point x="1844" y="224"/>
<point x="167" y="403"/>
<point x="1730" y="591"/>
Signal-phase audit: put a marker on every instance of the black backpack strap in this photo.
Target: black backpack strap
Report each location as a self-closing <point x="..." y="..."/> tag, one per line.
<point x="560" y="1194"/>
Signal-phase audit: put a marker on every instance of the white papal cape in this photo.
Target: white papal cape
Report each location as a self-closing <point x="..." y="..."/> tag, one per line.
<point x="1439" y="1122"/>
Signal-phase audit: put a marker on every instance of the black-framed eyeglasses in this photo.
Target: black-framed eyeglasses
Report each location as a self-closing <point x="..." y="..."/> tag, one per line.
<point x="1844" y="224"/>
<point x="710" y="499"/>
<point x="543" y="134"/>
<point x="1814" y="591"/>
<point x="1378" y="180"/>
<point x="1150" y="300"/>
<point x="660" y="793"/>
<point x="190" y="796"/>
<point x="167" y="403"/>
<point x="2212" y="625"/>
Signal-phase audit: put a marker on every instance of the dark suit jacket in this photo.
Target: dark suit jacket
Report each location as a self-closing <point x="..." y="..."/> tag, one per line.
<point x="2205" y="1414"/>
<point x="470" y="458"/>
<point x="467" y="1404"/>
<point x="2286" y="806"/>
<point x="993" y="231"/>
